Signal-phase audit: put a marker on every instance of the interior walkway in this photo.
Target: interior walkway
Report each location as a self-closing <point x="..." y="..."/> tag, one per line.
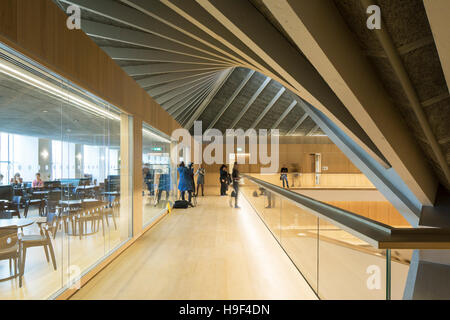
<point x="208" y="252"/>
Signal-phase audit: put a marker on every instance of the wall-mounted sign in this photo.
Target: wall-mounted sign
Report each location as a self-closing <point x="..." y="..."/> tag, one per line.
<point x="156" y="149"/>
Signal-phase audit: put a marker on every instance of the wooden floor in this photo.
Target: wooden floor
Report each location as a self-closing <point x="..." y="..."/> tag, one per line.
<point x="208" y="252"/>
<point x="40" y="280"/>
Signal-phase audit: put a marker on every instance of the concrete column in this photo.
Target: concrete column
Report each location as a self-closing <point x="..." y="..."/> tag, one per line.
<point x="45" y="159"/>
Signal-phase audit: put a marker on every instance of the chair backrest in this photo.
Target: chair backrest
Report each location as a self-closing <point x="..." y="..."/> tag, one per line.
<point x="8" y="237"/>
<point x="6" y="192"/>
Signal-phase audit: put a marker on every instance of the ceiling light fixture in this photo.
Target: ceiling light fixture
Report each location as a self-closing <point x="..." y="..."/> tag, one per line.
<point x="24" y="76"/>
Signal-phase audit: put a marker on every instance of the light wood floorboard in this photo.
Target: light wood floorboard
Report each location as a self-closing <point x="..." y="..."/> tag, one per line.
<point x="208" y="252"/>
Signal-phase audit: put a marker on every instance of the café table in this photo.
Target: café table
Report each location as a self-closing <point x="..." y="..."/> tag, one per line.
<point x="20" y="223"/>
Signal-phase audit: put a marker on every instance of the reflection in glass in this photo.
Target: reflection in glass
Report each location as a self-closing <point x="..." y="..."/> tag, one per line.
<point x="158" y="174"/>
<point x="80" y="211"/>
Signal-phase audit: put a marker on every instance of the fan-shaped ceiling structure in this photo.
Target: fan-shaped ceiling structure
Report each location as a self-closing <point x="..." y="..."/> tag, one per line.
<point x="258" y="63"/>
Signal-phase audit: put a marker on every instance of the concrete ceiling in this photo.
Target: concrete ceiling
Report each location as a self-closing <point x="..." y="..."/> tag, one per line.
<point x="407" y="23"/>
<point x="191" y="85"/>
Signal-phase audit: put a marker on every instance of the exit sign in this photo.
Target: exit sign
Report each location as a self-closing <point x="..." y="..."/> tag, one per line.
<point x="156" y="149"/>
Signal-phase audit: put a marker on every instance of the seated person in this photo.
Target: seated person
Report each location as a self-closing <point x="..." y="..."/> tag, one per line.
<point x="38" y="183"/>
<point x="17" y="179"/>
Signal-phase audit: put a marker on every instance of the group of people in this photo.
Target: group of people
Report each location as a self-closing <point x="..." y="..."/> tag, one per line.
<point x="18" y="180"/>
<point x="227" y="179"/>
<point x="187" y="181"/>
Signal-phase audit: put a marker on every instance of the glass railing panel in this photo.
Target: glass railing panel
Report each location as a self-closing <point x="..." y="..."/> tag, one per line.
<point x="299" y="238"/>
<point x="349" y="268"/>
<point x="400" y="262"/>
<point x="266" y="204"/>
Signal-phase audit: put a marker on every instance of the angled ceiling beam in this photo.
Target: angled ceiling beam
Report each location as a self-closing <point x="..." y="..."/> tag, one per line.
<point x="136" y="19"/>
<point x="186" y="111"/>
<point x="297" y="124"/>
<point x="438" y="12"/>
<point x="231" y="98"/>
<point x="184" y="105"/>
<point x="169" y="77"/>
<point x="157" y="68"/>
<point x="293" y="68"/>
<point x="174" y="93"/>
<point x="174" y="104"/>
<point x="250" y="102"/>
<point x="219" y="83"/>
<point x="268" y="107"/>
<point x="149" y="55"/>
<point x="404" y="78"/>
<point x="387" y="181"/>
<point x="159" y="11"/>
<point x="156" y="91"/>
<point x="200" y="18"/>
<point x="314" y="129"/>
<point x="284" y="115"/>
<point x="139" y="38"/>
<point x="169" y="105"/>
<point x="341" y="62"/>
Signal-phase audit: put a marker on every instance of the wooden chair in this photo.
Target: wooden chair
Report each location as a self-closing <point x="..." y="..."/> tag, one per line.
<point x="112" y="211"/>
<point x="39" y="240"/>
<point x="10" y="250"/>
<point x="83" y="217"/>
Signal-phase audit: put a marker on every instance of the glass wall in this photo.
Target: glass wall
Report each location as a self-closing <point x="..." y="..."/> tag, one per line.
<point x="65" y="175"/>
<point x="159" y="174"/>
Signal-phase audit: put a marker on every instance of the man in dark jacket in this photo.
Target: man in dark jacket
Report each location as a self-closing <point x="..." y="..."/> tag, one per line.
<point x="236" y="178"/>
<point x="223" y="180"/>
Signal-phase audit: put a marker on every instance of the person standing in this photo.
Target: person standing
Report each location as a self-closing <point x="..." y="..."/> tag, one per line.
<point x="163" y="185"/>
<point x="223" y="180"/>
<point x="149" y="177"/>
<point x="185" y="183"/>
<point x="283" y="177"/>
<point x="200" y="179"/>
<point x="191" y="175"/>
<point x="235" y="178"/>
<point x="1" y="179"/>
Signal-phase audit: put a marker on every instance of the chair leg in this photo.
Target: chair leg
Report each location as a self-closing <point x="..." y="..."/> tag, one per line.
<point x="52" y="253"/>
<point x="20" y="270"/>
<point x="80" y="228"/>
<point x="114" y="220"/>
<point x="103" y="224"/>
<point x="46" y="253"/>
<point x="24" y="257"/>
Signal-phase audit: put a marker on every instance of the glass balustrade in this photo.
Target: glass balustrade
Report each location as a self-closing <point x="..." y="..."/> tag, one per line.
<point x="336" y="263"/>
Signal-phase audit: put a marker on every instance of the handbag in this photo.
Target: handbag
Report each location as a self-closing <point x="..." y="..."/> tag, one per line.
<point x="233" y="194"/>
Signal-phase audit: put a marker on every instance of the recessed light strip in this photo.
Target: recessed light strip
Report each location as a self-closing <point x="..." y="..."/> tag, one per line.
<point x="13" y="71"/>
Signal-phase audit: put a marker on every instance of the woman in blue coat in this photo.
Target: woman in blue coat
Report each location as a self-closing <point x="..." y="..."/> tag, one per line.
<point x="185" y="182"/>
